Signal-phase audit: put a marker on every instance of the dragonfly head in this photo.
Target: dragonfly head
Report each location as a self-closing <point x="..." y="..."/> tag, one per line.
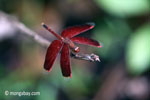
<point x="76" y="49"/>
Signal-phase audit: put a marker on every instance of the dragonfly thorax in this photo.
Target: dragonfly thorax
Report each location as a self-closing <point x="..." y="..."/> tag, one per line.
<point x="72" y="46"/>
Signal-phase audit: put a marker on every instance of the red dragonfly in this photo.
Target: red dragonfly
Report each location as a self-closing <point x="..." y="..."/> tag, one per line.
<point x="65" y="43"/>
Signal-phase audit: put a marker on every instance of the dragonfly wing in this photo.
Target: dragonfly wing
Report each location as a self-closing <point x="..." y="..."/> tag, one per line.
<point x="86" y="41"/>
<point x="51" y="54"/>
<point x="65" y="61"/>
<point x="75" y="30"/>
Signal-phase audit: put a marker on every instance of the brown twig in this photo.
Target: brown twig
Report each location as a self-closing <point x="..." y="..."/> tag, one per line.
<point x="25" y="30"/>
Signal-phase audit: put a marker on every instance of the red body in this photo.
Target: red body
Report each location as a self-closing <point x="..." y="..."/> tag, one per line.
<point x="64" y="43"/>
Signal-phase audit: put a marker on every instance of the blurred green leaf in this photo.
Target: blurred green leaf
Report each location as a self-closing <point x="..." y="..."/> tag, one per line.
<point x="77" y="84"/>
<point x="112" y="33"/>
<point x="47" y="92"/>
<point x="12" y="86"/>
<point x="125" y="7"/>
<point x="138" y="50"/>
